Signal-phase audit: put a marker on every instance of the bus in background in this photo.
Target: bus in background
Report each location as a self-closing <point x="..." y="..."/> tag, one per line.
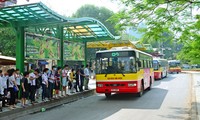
<point x="123" y="70"/>
<point x="174" y="66"/>
<point x="160" y="68"/>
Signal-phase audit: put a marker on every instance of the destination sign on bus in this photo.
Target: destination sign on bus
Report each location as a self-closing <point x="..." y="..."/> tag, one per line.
<point x="115" y="54"/>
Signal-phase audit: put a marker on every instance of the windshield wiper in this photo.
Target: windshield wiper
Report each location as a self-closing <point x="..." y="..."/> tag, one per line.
<point x="106" y="74"/>
<point x="122" y="73"/>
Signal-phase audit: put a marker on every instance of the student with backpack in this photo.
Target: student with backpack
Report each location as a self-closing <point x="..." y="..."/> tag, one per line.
<point x="38" y="82"/>
<point x="65" y="72"/>
<point x="57" y="82"/>
<point x="45" y="84"/>
<point x="12" y="87"/>
<point x="51" y="80"/>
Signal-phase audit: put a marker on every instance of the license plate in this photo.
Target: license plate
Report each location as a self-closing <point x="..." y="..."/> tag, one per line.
<point x="114" y="90"/>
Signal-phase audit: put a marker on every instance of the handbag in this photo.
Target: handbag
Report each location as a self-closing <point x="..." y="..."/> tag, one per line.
<point x="15" y="89"/>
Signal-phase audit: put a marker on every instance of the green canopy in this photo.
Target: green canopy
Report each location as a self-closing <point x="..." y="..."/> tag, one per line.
<point x="38" y="14"/>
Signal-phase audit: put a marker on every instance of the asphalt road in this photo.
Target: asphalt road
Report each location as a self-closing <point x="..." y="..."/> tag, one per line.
<point x="169" y="99"/>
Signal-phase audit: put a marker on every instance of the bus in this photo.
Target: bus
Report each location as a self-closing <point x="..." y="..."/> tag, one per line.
<point x="160" y="67"/>
<point x="174" y="66"/>
<point x="123" y="70"/>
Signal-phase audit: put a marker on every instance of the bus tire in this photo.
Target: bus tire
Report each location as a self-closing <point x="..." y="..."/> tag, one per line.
<point x="141" y="90"/>
<point x="177" y="72"/>
<point x="107" y="95"/>
<point x="150" y="85"/>
<point x="161" y="76"/>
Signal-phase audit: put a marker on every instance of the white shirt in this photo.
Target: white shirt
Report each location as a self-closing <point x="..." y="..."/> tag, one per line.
<point x="52" y="76"/>
<point x="64" y="73"/>
<point x="44" y="78"/>
<point x="5" y="78"/>
<point x="86" y="72"/>
<point x="33" y="82"/>
<point x="1" y="85"/>
<point x="18" y="78"/>
<point x="11" y="80"/>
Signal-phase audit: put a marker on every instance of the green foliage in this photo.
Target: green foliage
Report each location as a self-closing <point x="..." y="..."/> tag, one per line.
<point x="175" y="17"/>
<point x="8" y="42"/>
<point x="100" y="13"/>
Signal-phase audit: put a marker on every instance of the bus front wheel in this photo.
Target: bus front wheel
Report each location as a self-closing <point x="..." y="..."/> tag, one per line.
<point x="150" y="85"/>
<point x="141" y="91"/>
<point x="107" y="95"/>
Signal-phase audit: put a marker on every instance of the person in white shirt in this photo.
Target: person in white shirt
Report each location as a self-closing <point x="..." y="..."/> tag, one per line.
<point x="1" y="90"/>
<point x="1" y="83"/>
<point x="32" y="78"/>
<point x="44" y="84"/>
<point x="18" y="78"/>
<point x="87" y="76"/>
<point x="51" y="80"/>
<point x="12" y="87"/>
<point x="65" y="76"/>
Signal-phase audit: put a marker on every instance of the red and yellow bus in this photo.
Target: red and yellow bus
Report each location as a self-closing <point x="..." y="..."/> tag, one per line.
<point x="174" y="66"/>
<point x="160" y="68"/>
<point x="123" y="70"/>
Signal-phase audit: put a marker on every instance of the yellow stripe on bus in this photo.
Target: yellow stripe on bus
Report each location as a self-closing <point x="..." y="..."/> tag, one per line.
<point x="117" y="77"/>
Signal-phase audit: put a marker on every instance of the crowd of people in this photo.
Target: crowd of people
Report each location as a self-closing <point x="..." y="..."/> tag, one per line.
<point x="53" y="84"/>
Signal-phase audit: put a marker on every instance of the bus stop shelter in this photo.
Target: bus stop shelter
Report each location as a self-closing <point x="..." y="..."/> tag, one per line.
<point x="41" y="19"/>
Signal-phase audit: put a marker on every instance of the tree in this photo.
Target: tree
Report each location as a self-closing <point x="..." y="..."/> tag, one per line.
<point x="177" y="17"/>
<point x="100" y="13"/>
<point x="8" y="42"/>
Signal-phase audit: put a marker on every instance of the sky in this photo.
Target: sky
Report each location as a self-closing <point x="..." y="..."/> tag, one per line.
<point x="68" y="7"/>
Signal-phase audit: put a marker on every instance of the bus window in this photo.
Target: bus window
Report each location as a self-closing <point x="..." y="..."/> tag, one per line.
<point x="132" y="64"/>
<point x="142" y="64"/>
<point x="145" y="63"/>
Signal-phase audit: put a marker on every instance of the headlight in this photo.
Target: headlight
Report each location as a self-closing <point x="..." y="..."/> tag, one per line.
<point x="99" y="85"/>
<point x="132" y="84"/>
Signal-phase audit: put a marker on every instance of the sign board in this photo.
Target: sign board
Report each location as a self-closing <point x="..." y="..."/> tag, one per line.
<point x="74" y="51"/>
<point x="41" y="47"/>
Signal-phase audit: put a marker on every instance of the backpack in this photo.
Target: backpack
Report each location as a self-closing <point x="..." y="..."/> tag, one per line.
<point x="38" y="82"/>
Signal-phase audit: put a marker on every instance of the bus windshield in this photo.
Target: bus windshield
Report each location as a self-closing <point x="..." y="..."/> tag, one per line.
<point x="173" y="64"/>
<point x="109" y="65"/>
<point x="155" y="65"/>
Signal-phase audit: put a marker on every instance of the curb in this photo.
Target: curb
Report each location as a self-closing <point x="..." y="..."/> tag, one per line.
<point x="13" y="114"/>
<point x="194" y="109"/>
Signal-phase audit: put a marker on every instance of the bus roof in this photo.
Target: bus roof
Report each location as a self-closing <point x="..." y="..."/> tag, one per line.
<point x="177" y="61"/>
<point x="159" y="59"/>
<point x="122" y="49"/>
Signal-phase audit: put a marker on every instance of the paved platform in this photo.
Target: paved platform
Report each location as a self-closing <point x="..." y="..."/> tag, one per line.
<point x="7" y="113"/>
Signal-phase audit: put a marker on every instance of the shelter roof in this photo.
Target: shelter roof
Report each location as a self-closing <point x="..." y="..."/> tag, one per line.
<point x="38" y="14"/>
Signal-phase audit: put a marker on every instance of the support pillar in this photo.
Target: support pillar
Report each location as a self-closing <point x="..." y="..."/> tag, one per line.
<point x="85" y="62"/>
<point x="20" y="49"/>
<point x="60" y="36"/>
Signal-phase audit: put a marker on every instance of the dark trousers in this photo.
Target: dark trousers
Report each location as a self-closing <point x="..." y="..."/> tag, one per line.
<point x="70" y="84"/>
<point x="77" y="85"/>
<point x="17" y="95"/>
<point x="12" y="96"/>
<point x="44" y="91"/>
<point x="51" y="87"/>
<point x="32" y="93"/>
<point x="81" y="85"/>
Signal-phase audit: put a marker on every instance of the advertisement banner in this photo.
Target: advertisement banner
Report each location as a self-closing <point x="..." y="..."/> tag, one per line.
<point x="74" y="51"/>
<point x="41" y="47"/>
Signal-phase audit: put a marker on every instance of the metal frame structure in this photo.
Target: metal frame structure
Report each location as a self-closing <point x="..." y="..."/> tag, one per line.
<point x="43" y="20"/>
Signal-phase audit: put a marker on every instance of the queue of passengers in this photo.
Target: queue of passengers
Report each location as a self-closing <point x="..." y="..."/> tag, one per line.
<point x="15" y="86"/>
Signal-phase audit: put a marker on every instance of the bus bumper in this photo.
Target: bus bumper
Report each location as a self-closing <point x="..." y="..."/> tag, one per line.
<point x="174" y="70"/>
<point x="157" y="75"/>
<point x="117" y="87"/>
